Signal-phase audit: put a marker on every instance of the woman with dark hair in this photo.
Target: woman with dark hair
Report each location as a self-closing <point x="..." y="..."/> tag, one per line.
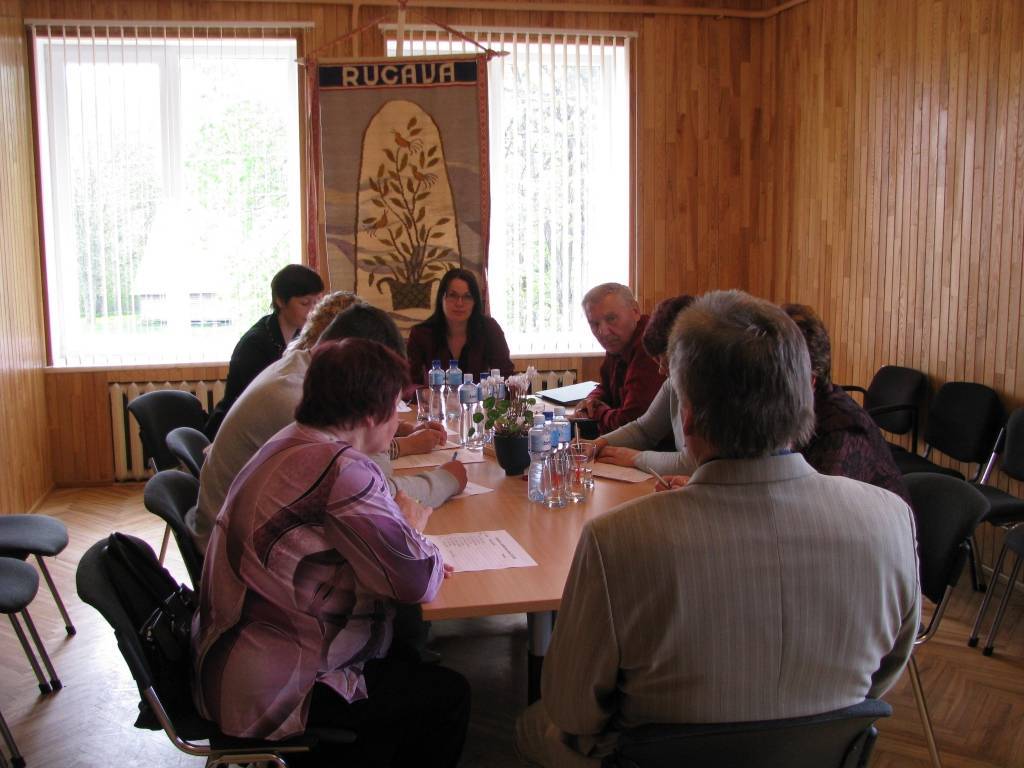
<point x="308" y="558"/>
<point x="294" y="291"/>
<point x="648" y="442"/>
<point x="846" y="440"/>
<point x="458" y="330"/>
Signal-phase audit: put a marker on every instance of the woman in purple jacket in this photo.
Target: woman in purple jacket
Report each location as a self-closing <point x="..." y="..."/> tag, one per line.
<point x="308" y="558"/>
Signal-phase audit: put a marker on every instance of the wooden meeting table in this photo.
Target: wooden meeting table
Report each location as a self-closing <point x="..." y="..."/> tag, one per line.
<point x="548" y="535"/>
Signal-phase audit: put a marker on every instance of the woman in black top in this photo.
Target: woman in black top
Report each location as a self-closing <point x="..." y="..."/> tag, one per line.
<point x="294" y="290"/>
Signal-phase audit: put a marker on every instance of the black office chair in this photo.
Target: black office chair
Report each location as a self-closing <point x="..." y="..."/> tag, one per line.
<point x="1014" y="543"/>
<point x="189" y="446"/>
<point x="19" y="583"/>
<point x="963" y="422"/>
<point x="1006" y="511"/>
<point x="41" y="536"/>
<point x="840" y="739"/>
<point x="186" y="727"/>
<point x="169" y="495"/>
<point x="893" y="399"/>
<point x="157" y="413"/>
<point x="946" y="510"/>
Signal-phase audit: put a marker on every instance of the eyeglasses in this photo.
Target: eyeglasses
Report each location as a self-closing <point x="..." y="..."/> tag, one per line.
<point x="455" y="298"/>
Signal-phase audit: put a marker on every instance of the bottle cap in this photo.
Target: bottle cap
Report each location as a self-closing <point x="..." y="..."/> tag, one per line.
<point x="538" y="419"/>
<point x="559" y="411"/>
<point x="467" y="378"/>
<point x="437" y="363"/>
<point x="453" y="363"/>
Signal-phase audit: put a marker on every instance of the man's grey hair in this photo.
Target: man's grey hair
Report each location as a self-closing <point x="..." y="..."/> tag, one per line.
<point x="598" y="292"/>
<point x="741" y="365"/>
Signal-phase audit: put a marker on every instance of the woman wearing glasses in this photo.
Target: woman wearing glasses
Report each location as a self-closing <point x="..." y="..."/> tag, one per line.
<point x="458" y="330"/>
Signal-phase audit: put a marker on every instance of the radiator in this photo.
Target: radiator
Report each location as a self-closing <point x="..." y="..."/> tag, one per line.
<point x="129" y="462"/>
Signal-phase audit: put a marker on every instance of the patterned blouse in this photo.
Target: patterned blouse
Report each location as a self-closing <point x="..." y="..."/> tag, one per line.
<point x="306" y="559"/>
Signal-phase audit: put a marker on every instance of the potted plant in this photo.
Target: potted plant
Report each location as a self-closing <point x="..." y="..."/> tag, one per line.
<point x="511" y="420"/>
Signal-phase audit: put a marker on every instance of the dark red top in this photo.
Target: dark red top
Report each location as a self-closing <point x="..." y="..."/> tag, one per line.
<point x="629" y="382"/>
<point x="847" y="442"/>
<point x="478" y="354"/>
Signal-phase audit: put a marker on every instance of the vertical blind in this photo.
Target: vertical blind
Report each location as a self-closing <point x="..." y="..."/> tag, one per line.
<point x="559" y="168"/>
<point x="169" y="165"/>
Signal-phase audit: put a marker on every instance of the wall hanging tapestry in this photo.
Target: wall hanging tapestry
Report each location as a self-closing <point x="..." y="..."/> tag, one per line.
<point x="403" y="151"/>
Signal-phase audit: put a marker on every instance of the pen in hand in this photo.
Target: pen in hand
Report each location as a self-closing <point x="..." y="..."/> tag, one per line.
<point x="659" y="478"/>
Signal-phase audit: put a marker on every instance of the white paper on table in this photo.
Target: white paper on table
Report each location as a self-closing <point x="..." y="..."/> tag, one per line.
<point x="482" y="551"/>
<point x="472" y="489"/>
<point x="615" y="472"/>
<point x="436" y="458"/>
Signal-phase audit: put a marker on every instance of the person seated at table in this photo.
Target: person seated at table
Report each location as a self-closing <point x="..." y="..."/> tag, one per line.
<point x="458" y="330"/>
<point x="730" y="599"/>
<point x="641" y="443"/>
<point x="269" y="404"/>
<point x="629" y="376"/>
<point x="307" y="562"/>
<point x="846" y="440"/>
<point x="294" y="291"/>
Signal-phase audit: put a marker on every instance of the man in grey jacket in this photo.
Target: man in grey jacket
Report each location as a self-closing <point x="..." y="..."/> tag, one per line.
<point x="268" y="405"/>
<point x="759" y="590"/>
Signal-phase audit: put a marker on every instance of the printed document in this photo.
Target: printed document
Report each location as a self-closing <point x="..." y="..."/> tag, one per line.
<point x="482" y="551"/>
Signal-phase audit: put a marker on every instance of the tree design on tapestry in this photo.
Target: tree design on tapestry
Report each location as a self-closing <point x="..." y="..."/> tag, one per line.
<point x="411" y="215"/>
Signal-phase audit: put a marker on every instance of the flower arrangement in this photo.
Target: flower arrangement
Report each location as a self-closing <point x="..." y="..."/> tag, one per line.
<point x="511" y="417"/>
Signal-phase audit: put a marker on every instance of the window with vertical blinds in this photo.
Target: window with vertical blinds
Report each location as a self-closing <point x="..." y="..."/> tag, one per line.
<point x="559" y="154"/>
<point x="169" y="167"/>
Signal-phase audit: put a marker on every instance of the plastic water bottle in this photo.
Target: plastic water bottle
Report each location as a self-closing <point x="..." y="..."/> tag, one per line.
<point x="539" y="443"/>
<point x="470" y="431"/>
<point x="485" y="386"/>
<point x="498" y="385"/>
<point x="452" y="408"/>
<point x="435" y="380"/>
<point x="561" y="429"/>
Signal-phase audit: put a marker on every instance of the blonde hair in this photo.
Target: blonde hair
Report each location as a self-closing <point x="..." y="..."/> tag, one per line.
<point x="321" y="315"/>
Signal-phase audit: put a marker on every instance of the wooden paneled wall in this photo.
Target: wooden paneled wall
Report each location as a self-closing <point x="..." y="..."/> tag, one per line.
<point x="899" y="187"/>
<point x="25" y="468"/>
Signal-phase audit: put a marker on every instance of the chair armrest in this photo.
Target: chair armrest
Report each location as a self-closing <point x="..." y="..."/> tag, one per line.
<point x="880" y="410"/>
<point x="853" y="388"/>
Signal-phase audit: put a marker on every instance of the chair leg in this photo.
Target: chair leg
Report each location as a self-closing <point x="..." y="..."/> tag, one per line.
<point x="44" y="687"/>
<point x="977" y="577"/>
<point x="16" y="759"/>
<point x="922" y="708"/>
<point x="56" y="596"/>
<point x="990" y="641"/>
<point x="972" y="641"/>
<point x="163" y="544"/>
<point x="55" y="682"/>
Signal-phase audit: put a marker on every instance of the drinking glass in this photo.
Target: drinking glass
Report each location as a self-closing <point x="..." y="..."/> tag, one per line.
<point x="583" y="456"/>
<point x="556" y="468"/>
<point x="423" y="404"/>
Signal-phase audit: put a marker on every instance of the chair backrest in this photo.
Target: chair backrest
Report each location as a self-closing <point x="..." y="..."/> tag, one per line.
<point x="895" y="385"/>
<point x="1011" y="446"/>
<point x="189" y="446"/>
<point x="169" y="495"/>
<point x="946" y="510"/>
<point x="158" y="413"/>
<point x="840" y="739"/>
<point x="964" y="420"/>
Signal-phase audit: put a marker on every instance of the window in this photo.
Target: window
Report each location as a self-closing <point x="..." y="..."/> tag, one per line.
<point x="559" y="149"/>
<point x="169" y="166"/>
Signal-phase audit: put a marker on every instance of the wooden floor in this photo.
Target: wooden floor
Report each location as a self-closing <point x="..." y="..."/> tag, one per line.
<point x="977" y="703"/>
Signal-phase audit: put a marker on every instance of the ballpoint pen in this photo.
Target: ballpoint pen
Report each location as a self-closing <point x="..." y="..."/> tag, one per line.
<point x="659" y="478"/>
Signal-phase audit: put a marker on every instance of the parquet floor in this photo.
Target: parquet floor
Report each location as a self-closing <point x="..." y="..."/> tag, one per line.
<point x="977" y="703"/>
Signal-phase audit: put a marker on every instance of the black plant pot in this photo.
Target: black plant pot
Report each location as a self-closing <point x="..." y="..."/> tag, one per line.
<point x="512" y="453"/>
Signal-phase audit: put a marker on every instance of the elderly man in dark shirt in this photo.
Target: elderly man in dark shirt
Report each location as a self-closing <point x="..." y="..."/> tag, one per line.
<point x="846" y="440"/>
<point x="630" y="378"/>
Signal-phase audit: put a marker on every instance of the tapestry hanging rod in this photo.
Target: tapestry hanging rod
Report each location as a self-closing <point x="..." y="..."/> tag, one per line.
<point x="115" y="23"/>
<point x="555" y="7"/>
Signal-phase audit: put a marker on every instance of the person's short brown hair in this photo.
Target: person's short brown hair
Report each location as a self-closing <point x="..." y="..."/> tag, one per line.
<point x="740" y="365"/>
<point x="818" y="345"/>
<point x="350" y="380"/>
<point x="659" y="326"/>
